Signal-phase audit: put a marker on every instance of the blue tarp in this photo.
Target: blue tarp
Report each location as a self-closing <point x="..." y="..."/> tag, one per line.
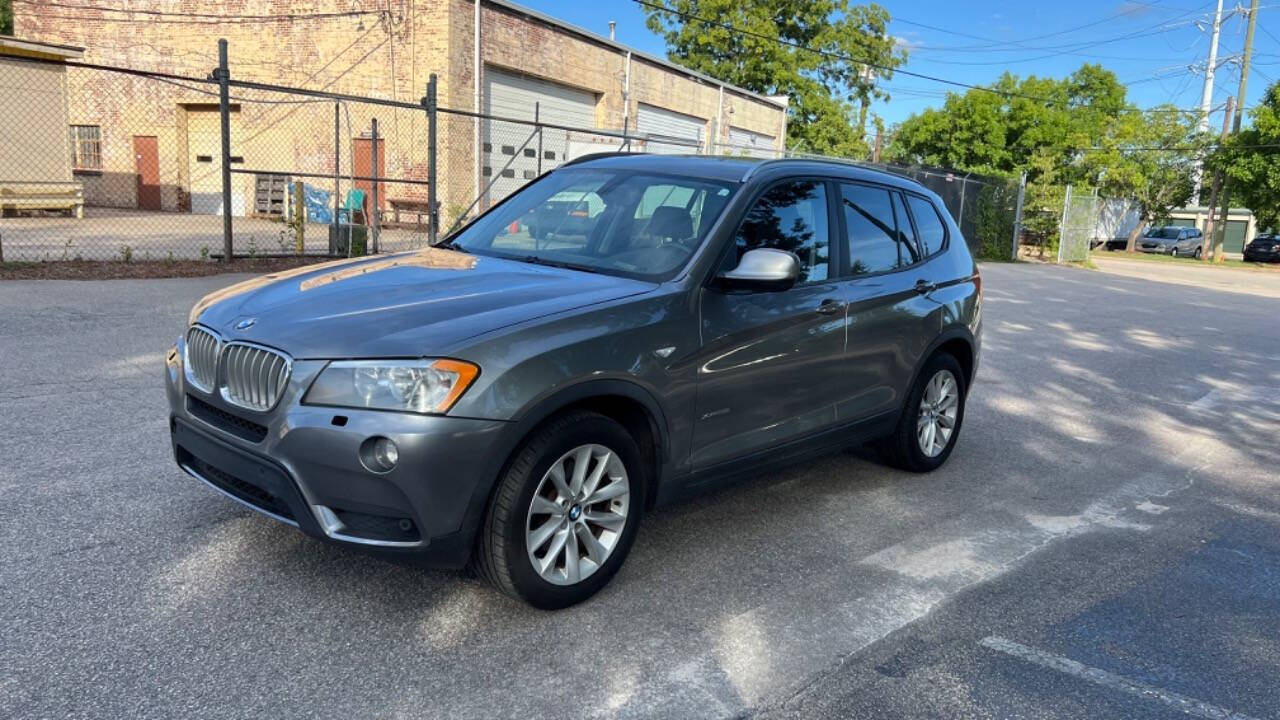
<point x="318" y="203"/>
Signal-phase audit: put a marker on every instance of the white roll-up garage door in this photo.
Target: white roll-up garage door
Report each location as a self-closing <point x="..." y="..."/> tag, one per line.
<point x="753" y="144"/>
<point x="508" y="94"/>
<point x="651" y="119"/>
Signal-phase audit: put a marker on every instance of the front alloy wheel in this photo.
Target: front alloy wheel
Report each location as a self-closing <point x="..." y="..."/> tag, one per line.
<point x="577" y="514"/>
<point x="565" y="511"/>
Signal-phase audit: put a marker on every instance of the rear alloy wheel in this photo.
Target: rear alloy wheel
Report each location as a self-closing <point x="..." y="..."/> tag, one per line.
<point x="1199" y="252"/>
<point x="930" y="422"/>
<point x="565" y="512"/>
<point x="1173" y="252"/>
<point x="938" y="410"/>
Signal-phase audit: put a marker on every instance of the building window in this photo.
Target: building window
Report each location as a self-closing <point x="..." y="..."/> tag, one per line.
<point x="86" y="147"/>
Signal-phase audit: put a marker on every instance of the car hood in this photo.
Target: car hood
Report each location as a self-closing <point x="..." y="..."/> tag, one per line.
<point x="406" y="305"/>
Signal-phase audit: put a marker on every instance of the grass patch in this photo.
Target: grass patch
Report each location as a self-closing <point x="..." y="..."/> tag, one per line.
<point x="118" y="269"/>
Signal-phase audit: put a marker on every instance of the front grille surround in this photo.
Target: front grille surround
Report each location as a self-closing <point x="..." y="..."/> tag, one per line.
<point x="253" y="377"/>
<point x="244" y="374"/>
<point x="200" y="361"/>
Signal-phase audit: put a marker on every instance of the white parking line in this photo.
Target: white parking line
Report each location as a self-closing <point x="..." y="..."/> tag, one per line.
<point x="1190" y="706"/>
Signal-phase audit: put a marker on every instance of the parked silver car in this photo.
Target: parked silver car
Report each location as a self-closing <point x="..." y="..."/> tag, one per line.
<point x="1172" y="240"/>
<point x="518" y="400"/>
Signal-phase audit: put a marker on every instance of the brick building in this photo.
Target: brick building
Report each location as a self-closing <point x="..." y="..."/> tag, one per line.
<point x="384" y="49"/>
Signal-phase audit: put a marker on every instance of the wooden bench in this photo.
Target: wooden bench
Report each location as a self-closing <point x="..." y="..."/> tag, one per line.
<point x="418" y="208"/>
<point x="68" y="199"/>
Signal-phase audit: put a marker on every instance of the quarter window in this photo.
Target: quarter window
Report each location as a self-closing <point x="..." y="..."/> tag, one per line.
<point x="790" y="216"/>
<point x="933" y="233"/>
<point x="86" y="147"/>
<point x="876" y="241"/>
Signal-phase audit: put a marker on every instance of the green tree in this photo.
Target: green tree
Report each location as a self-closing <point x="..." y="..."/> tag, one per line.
<point x="1251" y="158"/>
<point x="1043" y="126"/>
<point x="6" y="17"/>
<point x="1150" y="158"/>
<point x="829" y="96"/>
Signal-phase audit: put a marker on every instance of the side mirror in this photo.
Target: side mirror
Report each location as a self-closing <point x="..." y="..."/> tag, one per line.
<point x="762" y="269"/>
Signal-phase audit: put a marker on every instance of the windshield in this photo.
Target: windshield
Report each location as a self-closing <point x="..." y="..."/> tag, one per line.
<point x="610" y="221"/>
<point x="1169" y="233"/>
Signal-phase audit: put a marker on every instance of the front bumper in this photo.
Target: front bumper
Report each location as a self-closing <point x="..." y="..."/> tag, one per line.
<point x="301" y="465"/>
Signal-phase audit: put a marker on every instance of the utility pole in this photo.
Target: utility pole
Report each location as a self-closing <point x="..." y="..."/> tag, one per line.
<point x="1206" y="96"/>
<point x="1220" y="245"/>
<point x="1207" y="246"/>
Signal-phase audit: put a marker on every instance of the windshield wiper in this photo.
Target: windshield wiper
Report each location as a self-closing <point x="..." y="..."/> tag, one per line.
<point x="539" y="260"/>
<point x="449" y="244"/>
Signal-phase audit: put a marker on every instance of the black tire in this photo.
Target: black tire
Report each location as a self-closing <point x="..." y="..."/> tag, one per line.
<point x="500" y="555"/>
<point x="902" y="449"/>
<point x="1199" y="253"/>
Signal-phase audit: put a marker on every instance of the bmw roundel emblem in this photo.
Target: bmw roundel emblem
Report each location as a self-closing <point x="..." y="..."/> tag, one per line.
<point x="246" y="323"/>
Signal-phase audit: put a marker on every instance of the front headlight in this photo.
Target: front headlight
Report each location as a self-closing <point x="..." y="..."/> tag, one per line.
<point x="421" y="386"/>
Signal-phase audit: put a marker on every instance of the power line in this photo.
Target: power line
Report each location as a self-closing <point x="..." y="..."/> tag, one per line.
<point x="995" y="43"/>
<point x="876" y="66"/>
<point x="1066" y="49"/>
<point x="215" y="18"/>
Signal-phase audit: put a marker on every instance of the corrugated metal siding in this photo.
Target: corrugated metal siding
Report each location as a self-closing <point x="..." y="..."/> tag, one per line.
<point x="754" y="144"/>
<point x="660" y="121"/>
<point x="510" y="95"/>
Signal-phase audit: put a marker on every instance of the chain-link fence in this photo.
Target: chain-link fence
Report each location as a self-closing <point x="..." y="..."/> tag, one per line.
<point x="157" y="166"/>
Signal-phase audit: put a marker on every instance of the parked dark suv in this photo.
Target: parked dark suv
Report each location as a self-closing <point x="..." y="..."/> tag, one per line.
<point x="1264" y="248"/>
<point x="518" y="404"/>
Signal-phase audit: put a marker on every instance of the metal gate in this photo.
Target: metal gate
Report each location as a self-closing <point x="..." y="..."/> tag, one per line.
<point x="1078" y="227"/>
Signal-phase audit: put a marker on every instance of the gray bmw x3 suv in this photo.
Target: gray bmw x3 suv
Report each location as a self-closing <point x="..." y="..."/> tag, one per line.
<point x="516" y="401"/>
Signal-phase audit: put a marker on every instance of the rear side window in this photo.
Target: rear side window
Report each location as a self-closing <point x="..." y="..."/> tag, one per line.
<point x="877" y="240"/>
<point x="790" y="216"/>
<point x="933" y="233"/>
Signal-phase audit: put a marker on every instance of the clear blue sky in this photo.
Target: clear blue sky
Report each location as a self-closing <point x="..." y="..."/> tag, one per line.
<point x="1149" y="45"/>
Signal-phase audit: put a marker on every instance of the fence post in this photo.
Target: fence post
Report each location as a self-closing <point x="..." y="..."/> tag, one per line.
<point x="374" y="173"/>
<point x="1062" y="226"/>
<point x="964" y="190"/>
<point x="299" y="216"/>
<point x="537" y="124"/>
<point x="223" y="76"/>
<point x="1017" y="216"/>
<point x="433" y="215"/>
<point x="337" y="176"/>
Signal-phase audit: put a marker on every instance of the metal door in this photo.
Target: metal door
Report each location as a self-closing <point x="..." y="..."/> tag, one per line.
<point x="363" y="167"/>
<point x="751" y="144"/>
<point x="146" y="157"/>
<point x="654" y="120"/>
<point x="509" y="95"/>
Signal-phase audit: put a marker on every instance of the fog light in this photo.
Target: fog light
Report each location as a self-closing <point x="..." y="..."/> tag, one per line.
<point x="379" y="454"/>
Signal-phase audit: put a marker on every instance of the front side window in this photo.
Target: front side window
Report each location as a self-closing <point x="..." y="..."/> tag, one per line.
<point x="933" y="232"/>
<point x="876" y="241"/>
<point x="602" y="220"/>
<point x="86" y="147"/>
<point x="790" y="216"/>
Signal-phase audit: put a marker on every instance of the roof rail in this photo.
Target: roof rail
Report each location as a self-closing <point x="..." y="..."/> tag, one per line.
<point x="597" y="156"/>
<point x="829" y="160"/>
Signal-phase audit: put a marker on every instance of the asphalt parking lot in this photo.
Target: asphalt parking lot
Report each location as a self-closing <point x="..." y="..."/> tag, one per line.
<point x="1104" y="542"/>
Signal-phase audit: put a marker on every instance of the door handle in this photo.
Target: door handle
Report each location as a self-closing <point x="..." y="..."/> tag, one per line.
<point x="830" y="307"/>
<point x="924" y="287"/>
